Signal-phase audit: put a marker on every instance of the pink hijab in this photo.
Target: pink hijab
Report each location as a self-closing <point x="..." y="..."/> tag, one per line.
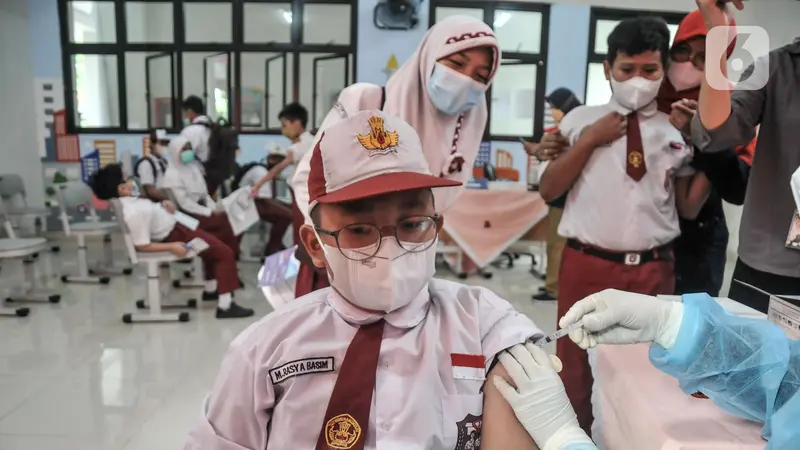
<point x="407" y="98"/>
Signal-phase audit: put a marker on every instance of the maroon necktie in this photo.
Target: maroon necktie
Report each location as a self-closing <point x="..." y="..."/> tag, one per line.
<point x="635" y="166"/>
<point x="347" y="417"/>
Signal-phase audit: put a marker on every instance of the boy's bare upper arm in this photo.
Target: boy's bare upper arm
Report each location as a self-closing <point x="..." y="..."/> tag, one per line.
<point x="501" y="429"/>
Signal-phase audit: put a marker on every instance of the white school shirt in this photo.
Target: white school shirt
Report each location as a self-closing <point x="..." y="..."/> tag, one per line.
<point x="299" y="149"/>
<point x="147" y="221"/>
<point x="608" y="209"/>
<point x="253" y="176"/>
<point x="197" y="134"/>
<point x="145" y="172"/>
<point x="264" y="399"/>
<point x="188" y="184"/>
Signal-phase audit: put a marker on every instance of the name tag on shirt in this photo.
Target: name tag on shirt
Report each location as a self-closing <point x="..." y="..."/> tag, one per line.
<point x="301" y="367"/>
<point x="468" y="367"/>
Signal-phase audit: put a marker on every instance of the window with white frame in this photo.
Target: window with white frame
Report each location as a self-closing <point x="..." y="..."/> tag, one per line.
<point x="603" y="21"/>
<point x="129" y="63"/>
<point x="516" y="97"/>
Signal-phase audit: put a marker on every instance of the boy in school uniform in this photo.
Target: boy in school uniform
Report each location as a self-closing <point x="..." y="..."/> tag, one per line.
<point x="149" y="170"/>
<point x="294" y="118"/>
<point x="629" y="177"/>
<point x="388" y="357"/>
<point x="154" y="228"/>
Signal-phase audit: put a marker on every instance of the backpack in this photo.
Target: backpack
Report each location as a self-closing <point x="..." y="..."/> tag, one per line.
<point x="222" y="145"/>
<point x="162" y="164"/>
<point x="237" y="180"/>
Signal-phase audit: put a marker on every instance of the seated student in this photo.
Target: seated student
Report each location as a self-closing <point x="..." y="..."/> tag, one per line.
<point x="184" y="177"/>
<point x="269" y="209"/>
<point x="387" y="338"/>
<point x="154" y="229"/>
<point x="149" y="170"/>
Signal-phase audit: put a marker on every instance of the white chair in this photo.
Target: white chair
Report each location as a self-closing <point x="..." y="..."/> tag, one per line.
<point x="152" y="261"/>
<point x="27" y="250"/>
<point x="194" y="276"/>
<point x="15" y="208"/>
<point x="453" y="257"/>
<point x="74" y="196"/>
<point x="537" y="250"/>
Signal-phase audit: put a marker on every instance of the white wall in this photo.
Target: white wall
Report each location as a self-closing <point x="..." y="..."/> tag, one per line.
<point x="18" y="147"/>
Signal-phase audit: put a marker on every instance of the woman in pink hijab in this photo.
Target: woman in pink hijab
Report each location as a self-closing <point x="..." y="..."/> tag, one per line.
<point x="441" y="92"/>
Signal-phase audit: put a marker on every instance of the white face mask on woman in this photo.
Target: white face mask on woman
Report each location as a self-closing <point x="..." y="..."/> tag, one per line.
<point x="684" y="75"/>
<point x="451" y="92"/>
<point x="386" y="282"/>
<point x="635" y="93"/>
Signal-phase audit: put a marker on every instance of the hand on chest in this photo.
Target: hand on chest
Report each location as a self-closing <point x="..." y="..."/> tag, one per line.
<point x="653" y="151"/>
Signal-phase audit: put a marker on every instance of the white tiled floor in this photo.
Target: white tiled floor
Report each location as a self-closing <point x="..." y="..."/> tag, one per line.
<point x="74" y="377"/>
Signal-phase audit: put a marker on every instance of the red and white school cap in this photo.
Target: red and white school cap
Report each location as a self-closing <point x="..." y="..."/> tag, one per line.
<point x="365" y="155"/>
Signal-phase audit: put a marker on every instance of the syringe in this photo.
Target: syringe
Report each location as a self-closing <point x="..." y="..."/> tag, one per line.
<point x="558" y="334"/>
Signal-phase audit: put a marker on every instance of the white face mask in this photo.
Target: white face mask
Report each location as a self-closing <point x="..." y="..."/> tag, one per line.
<point x="453" y="93"/>
<point x="684" y="76"/>
<point x="635" y="93"/>
<point x="386" y="282"/>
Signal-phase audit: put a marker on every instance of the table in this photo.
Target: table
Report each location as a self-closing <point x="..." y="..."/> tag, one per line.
<point x="637" y="406"/>
<point x="484" y="223"/>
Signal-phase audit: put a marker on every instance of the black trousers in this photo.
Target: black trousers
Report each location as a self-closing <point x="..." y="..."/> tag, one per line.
<point x="774" y="284"/>
<point x="700" y="265"/>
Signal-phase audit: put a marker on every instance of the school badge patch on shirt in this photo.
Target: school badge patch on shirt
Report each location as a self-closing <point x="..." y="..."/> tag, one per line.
<point x="301" y="367"/>
<point x="468" y="367"/>
<point x="469" y="433"/>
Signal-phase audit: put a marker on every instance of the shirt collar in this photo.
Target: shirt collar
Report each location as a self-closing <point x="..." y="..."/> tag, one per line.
<point x="408" y="316"/>
<point x="649" y="110"/>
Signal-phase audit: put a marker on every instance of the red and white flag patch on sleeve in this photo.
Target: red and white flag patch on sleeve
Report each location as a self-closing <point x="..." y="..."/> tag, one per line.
<point x="468" y="367"/>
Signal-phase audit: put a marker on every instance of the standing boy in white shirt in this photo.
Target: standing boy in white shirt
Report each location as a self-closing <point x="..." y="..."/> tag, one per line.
<point x="389" y="358"/>
<point x="294" y="118"/>
<point x="629" y="178"/>
<point x="154" y="228"/>
<point x="196" y="130"/>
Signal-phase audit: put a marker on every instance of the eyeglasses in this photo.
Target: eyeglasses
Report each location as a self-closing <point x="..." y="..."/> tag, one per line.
<point x="361" y="241"/>
<point x="683" y="53"/>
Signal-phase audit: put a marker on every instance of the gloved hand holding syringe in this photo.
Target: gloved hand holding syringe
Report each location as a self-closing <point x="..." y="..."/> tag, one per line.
<point x="558" y="334"/>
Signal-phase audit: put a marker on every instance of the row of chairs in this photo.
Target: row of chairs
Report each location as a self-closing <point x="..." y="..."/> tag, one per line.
<point x="76" y="198"/>
<point x="14" y="209"/>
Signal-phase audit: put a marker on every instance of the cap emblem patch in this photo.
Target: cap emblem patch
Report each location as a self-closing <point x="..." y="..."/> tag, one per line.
<point x="379" y="141"/>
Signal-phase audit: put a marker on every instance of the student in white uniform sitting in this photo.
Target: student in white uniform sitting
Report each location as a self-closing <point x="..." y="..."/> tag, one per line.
<point x="154" y="228"/>
<point x="269" y="209"/>
<point x="184" y="177"/>
<point x="389" y="357"/>
<point x="149" y="170"/>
